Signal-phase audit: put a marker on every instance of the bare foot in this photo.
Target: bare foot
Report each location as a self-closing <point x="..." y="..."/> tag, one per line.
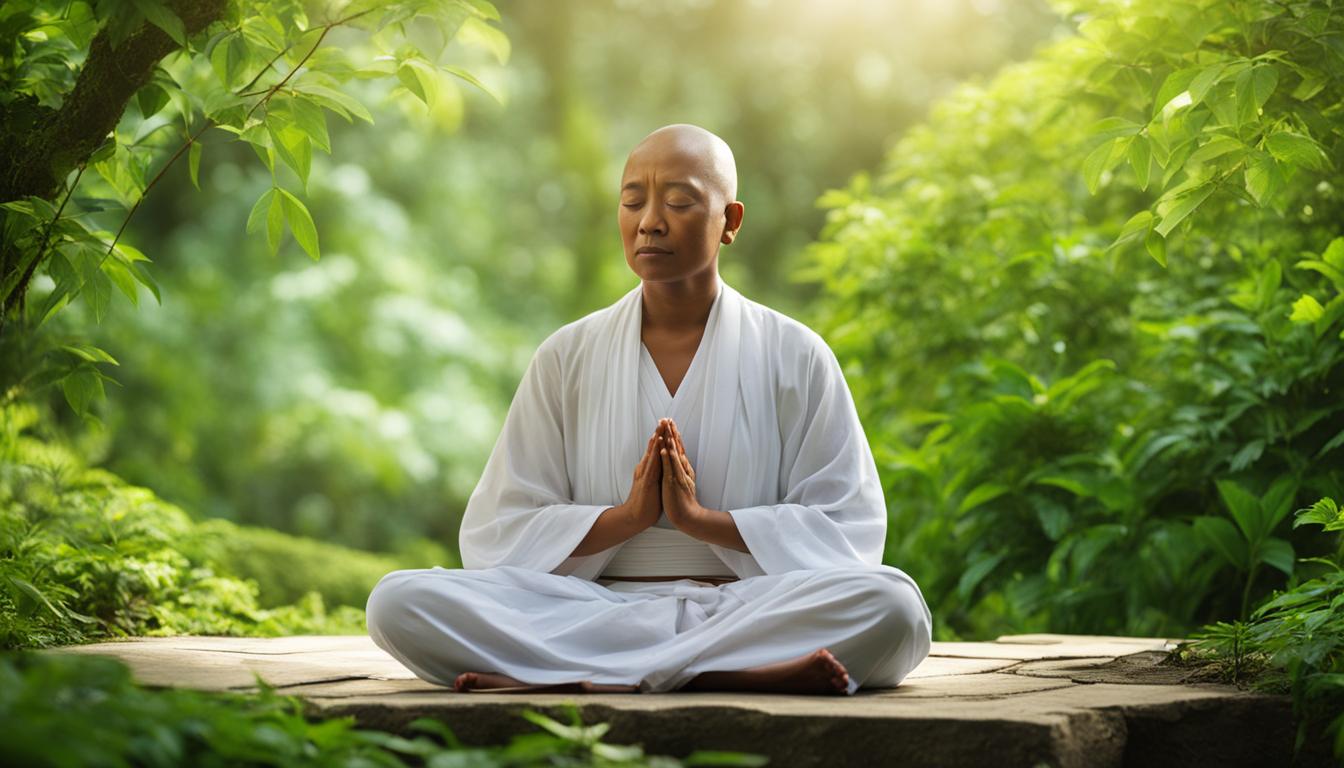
<point x="490" y="682"/>
<point x="816" y="672"/>
<point x="468" y="681"/>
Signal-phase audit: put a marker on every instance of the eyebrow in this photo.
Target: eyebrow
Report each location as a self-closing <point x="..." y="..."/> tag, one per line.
<point x="684" y="184"/>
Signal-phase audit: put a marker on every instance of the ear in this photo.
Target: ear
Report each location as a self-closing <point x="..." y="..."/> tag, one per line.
<point x="732" y="221"/>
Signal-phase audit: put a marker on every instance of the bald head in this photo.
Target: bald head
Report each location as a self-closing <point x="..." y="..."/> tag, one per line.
<point x="703" y="152"/>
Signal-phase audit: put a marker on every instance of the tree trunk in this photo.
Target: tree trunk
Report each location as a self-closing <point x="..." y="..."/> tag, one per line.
<point x="40" y="146"/>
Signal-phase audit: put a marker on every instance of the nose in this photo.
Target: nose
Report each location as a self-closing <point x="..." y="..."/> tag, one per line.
<point x="651" y="220"/>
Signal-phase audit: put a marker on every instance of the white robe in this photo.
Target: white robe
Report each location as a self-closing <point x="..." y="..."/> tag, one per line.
<point x="771" y="430"/>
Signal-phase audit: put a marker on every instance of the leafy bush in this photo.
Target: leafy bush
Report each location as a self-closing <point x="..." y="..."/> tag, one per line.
<point x="1294" y="642"/>
<point x="82" y="556"/>
<point x="286" y="568"/>
<point x="47" y="698"/>
<point x="1091" y="313"/>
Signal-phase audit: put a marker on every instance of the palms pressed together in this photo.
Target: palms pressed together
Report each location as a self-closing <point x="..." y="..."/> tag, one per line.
<point x="664" y="482"/>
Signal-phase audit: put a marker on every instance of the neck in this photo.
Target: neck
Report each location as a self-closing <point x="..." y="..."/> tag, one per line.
<point x="681" y="305"/>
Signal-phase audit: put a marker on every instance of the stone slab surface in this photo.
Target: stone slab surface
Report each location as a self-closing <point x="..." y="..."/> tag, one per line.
<point x="1043" y="699"/>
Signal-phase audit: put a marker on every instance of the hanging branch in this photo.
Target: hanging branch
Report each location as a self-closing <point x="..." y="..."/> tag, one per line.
<point x="269" y="92"/>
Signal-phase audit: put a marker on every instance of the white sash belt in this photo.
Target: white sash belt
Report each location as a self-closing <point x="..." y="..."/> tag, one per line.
<point x="657" y="551"/>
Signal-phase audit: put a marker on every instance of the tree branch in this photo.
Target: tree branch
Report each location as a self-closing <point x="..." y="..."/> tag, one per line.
<point x="40" y="160"/>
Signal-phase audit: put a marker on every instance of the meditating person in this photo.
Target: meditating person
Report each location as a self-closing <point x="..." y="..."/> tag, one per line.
<point x="681" y="497"/>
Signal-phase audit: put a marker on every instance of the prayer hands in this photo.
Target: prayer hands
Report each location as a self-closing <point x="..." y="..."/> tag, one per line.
<point x="645" y="503"/>
<point x="678" y="486"/>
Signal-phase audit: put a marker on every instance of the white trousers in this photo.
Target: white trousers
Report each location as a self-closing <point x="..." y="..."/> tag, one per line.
<point x="543" y="628"/>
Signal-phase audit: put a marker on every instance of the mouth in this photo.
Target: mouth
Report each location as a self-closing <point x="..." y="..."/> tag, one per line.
<point x="646" y="251"/>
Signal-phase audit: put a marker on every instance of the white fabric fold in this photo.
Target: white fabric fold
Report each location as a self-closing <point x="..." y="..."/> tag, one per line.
<point x="780" y="446"/>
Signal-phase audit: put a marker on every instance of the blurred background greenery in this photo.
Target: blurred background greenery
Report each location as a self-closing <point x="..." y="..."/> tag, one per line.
<point x="355" y="399"/>
<point x="1082" y="262"/>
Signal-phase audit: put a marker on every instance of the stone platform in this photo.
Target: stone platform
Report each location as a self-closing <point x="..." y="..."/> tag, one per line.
<point x="1021" y="700"/>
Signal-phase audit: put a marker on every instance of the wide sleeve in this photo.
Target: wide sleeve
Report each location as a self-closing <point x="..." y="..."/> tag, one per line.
<point x="521" y="512"/>
<point x="832" y="512"/>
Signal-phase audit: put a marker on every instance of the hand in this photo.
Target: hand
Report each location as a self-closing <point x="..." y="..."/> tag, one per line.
<point x="679" y="501"/>
<point x="645" y="503"/>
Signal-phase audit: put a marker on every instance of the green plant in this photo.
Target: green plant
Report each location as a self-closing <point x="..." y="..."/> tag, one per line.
<point x="1297" y="638"/>
<point x="67" y="710"/>
<point x="1250" y="544"/>
<point x="83" y="556"/>
<point x="255" y="69"/>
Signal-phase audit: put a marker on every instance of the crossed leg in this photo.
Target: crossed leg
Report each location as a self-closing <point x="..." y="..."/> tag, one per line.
<point x="433" y="621"/>
<point x="818" y="672"/>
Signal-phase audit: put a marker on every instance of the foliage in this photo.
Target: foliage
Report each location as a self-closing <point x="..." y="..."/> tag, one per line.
<point x="45" y="698"/>
<point x="286" y="568"/>
<point x="84" y="556"/>
<point x="254" y="69"/>
<point x="1295" y="639"/>
<point x="355" y="398"/>
<point x="1090" y="419"/>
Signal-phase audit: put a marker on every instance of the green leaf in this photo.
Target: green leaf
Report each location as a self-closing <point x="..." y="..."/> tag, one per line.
<point x="1206" y="79"/>
<point x="1141" y="160"/>
<point x="1175" y="84"/>
<point x="981" y="494"/>
<point x="981" y="566"/>
<point x="1289" y="147"/>
<point x="1182" y="206"/>
<point x="475" y="31"/>
<point x="1271" y="277"/>
<point x="421" y="79"/>
<point x="1312" y="83"/>
<point x="1070" y="484"/>
<point x="33" y="593"/>
<point x="1278" y="554"/>
<point x="1219" y="535"/>
<point x="1136" y="228"/>
<point x="293" y="146"/>
<point x="121" y="277"/>
<point x="336" y="101"/>
<point x="150" y="99"/>
<point x="1307" y="310"/>
<point x="1105" y="157"/>
<point x="1264" y="178"/>
<point x="308" y="117"/>
<point x="1157" y="247"/>
<point x="194" y="164"/>
<point x="275" y="223"/>
<point x="1244" y="507"/>
<point x="1253" y="88"/>
<point x="1112" y="127"/>
<point x="1215" y="147"/>
<point x="89" y="352"/>
<point x="1332" y="273"/>
<point x="1276" y="504"/>
<point x="259" y="210"/>
<point x="81" y="386"/>
<point x="1324" y="512"/>
<point x="228" y="59"/>
<point x="470" y="78"/>
<point x="98" y="293"/>
<point x="1334" y="254"/>
<point x="300" y="223"/>
<point x="144" y="278"/>
<point x="158" y="14"/>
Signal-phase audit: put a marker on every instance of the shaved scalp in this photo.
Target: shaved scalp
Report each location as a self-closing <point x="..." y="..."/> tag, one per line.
<point x="711" y="154"/>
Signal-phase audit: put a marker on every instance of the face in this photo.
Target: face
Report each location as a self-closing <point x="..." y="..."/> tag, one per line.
<point x="672" y="216"/>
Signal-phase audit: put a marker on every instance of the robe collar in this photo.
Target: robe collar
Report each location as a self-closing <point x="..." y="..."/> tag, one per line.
<point x="610" y="405"/>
